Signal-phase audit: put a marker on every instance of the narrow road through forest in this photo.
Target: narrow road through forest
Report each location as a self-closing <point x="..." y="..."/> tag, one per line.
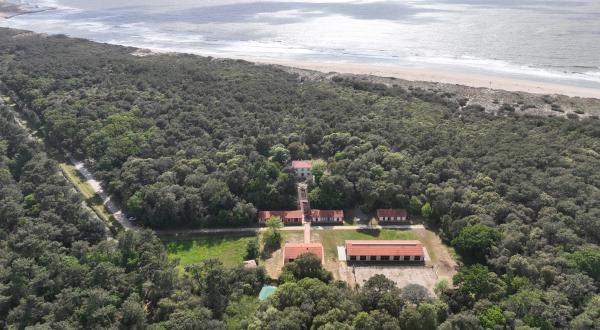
<point x="113" y="208"/>
<point x="107" y="200"/>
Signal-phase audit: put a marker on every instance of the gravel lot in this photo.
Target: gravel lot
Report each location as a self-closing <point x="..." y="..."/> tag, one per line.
<point x="402" y="275"/>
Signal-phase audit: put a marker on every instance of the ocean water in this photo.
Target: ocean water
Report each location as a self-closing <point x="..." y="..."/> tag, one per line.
<point x="543" y="40"/>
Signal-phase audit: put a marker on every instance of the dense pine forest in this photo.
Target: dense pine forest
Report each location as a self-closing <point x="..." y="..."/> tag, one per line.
<point x="187" y="141"/>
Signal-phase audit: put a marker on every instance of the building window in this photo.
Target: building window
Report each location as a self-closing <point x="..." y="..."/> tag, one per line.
<point x="353" y="258"/>
<point x="396" y="258"/>
<point x="417" y="258"/>
<point x="373" y="258"/>
<point x="406" y="258"/>
<point x="363" y="258"/>
<point x="385" y="258"/>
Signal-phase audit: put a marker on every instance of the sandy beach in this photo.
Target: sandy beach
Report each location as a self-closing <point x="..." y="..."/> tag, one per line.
<point x="440" y="76"/>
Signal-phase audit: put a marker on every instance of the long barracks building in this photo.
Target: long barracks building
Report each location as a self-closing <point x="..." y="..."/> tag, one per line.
<point x="384" y="250"/>
<point x="295" y="217"/>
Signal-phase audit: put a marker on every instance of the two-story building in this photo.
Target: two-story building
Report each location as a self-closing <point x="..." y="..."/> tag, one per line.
<point x="303" y="168"/>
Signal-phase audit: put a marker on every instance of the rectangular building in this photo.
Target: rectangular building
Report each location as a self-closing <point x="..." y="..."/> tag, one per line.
<point x="327" y="216"/>
<point x="302" y="168"/>
<point x="295" y="217"/>
<point x="384" y="250"/>
<point x="288" y="217"/>
<point x="291" y="251"/>
<point x="388" y="215"/>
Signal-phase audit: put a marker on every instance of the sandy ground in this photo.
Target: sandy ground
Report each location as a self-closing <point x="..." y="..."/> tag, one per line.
<point x="493" y="93"/>
<point x="438" y="266"/>
<point x="525" y="97"/>
<point x="421" y="74"/>
<point x="446" y="77"/>
<point x="402" y="275"/>
<point x="440" y="257"/>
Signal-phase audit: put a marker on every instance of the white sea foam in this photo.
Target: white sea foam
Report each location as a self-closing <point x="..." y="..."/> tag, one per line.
<point x="421" y="33"/>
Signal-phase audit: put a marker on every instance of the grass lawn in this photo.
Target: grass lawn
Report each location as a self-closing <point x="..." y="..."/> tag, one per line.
<point x="78" y="180"/>
<point x="229" y="249"/>
<point x="331" y="239"/>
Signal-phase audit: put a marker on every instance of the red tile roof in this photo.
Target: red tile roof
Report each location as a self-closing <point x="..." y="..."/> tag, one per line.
<point x="327" y="213"/>
<point x="391" y="213"/>
<point x="384" y="248"/>
<point x="295" y="214"/>
<point x="302" y="163"/>
<point x="294" y="250"/>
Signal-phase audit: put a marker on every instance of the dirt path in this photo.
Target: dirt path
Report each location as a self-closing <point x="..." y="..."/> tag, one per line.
<point x="107" y="200"/>
<point x="444" y="264"/>
<point x="32" y="135"/>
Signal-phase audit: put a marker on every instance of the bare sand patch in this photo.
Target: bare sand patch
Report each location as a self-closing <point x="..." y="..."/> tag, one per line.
<point x="402" y="275"/>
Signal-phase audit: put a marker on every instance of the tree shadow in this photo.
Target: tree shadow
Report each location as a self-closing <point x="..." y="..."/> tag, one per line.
<point x="95" y="200"/>
<point x="371" y="232"/>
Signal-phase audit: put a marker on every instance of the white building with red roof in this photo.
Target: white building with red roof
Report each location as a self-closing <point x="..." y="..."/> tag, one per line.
<point x="295" y="217"/>
<point x="288" y="217"/>
<point x="384" y="250"/>
<point x="384" y="215"/>
<point x="327" y="216"/>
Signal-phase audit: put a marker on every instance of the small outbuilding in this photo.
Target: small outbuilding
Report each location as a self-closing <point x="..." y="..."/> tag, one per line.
<point x="385" y="250"/>
<point x="291" y="251"/>
<point x="389" y="215"/>
<point x="250" y="264"/>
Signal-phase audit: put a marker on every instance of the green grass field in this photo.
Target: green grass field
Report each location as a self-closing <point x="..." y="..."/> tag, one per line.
<point x="230" y="250"/>
<point x="331" y="239"/>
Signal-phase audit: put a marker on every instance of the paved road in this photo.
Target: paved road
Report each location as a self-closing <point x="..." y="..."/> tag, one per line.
<point x="107" y="199"/>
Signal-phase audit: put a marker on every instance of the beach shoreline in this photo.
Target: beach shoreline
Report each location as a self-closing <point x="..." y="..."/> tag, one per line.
<point x="523" y="96"/>
<point x="430" y="75"/>
<point x="528" y="97"/>
<point x="417" y="74"/>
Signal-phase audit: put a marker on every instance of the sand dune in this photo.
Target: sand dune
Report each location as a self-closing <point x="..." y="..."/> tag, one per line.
<point x="447" y="77"/>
